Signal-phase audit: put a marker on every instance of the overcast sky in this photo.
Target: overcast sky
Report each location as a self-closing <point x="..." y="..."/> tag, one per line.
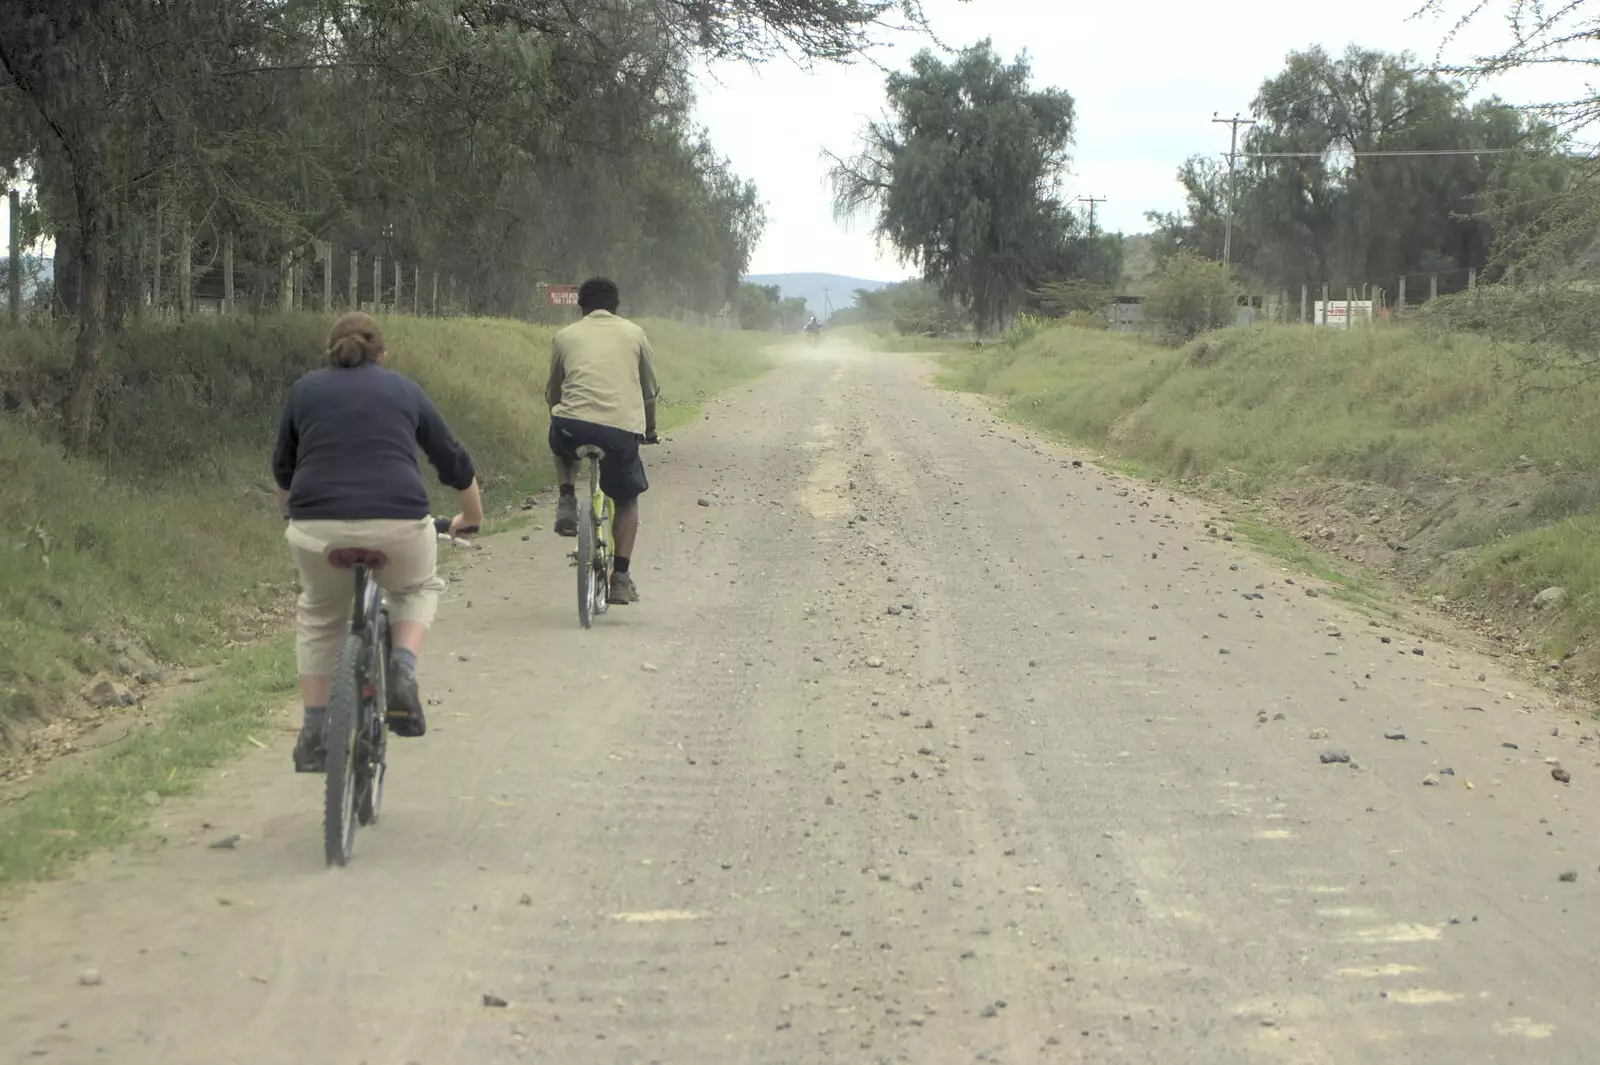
<point x="1147" y="76"/>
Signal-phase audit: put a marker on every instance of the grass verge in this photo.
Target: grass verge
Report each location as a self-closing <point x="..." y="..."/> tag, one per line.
<point x="1357" y="587"/>
<point x="1509" y="431"/>
<point x="168" y="539"/>
<point x="107" y="804"/>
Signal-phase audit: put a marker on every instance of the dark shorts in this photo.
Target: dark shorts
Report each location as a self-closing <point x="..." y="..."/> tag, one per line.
<point x="622" y="474"/>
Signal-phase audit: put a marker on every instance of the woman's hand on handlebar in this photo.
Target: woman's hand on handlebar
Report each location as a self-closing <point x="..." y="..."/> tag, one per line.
<point x="456" y="528"/>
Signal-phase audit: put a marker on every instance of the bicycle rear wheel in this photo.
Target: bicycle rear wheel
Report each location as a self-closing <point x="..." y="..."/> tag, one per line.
<point x="344" y="718"/>
<point x="586" y="579"/>
<point x="372" y="749"/>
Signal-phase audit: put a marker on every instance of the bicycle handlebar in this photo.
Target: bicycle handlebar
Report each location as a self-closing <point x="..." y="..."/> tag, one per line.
<point x="443" y="525"/>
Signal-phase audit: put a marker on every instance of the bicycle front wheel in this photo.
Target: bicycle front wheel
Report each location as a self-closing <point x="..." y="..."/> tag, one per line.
<point x="586" y="580"/>
<point x="344" y="718"/>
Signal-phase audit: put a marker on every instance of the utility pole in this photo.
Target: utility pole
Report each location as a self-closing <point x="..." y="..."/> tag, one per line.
<point x="1091" y="201"/>
<point x="1233" y="154"/>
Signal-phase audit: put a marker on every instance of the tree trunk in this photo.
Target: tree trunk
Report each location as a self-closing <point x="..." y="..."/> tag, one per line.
<point x="90" y="347"/>
<point x="67" y="269"/>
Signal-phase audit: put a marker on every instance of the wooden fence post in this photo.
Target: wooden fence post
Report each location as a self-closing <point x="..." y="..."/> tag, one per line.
<point x="377" y="284"/>
<point x="1400" y="301"/>
<point x="327" y="276"/>
<point x="155" y="285"/>
<point x="1433" y="287"/>
<point x="286" y="282"/>
<point x="416" y="290"/>
<point x="185" y="272"/>
<point x="1472" y="278"/>
<point x="227" y="273"/>
<point x="355" y="281"/>
<point x="397" y="303"/>
<point x="435" y="311"/>
<point x="1324" y="303"/>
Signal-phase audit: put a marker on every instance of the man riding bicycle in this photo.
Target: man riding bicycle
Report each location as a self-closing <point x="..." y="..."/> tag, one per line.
<point x="602" y="392"/>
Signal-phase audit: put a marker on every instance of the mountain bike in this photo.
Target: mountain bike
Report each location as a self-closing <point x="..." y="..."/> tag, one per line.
<point x="595" y="547"/>
<point x="357" y="738"/>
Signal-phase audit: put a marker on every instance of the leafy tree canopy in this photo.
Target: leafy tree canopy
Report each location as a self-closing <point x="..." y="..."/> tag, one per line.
<point x="962" y="178"/>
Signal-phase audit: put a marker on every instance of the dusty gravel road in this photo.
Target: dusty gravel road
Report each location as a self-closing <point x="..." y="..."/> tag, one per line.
<point x="925" y="746"/>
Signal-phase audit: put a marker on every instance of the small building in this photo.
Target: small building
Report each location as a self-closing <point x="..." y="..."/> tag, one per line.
<point x="1125" y="314"/>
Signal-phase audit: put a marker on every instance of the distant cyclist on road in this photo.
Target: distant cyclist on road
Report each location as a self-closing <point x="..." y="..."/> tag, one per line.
<point x="347" y="476"/>
<point x="602" y="392"/>
<point x="813" y="327"/>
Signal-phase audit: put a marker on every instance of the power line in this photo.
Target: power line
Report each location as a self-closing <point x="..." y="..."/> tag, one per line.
<point x="1381" y="154"/>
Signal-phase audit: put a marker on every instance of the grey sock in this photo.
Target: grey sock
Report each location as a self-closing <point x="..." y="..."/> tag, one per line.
<point x="316" y="718"/>
<point x="404" y="659"/>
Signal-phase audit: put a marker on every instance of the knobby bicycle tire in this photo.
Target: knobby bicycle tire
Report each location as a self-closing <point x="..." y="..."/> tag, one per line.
<point x="369" y="803"/>
<point x="344" y="718"/>
<point x="586" y="577"/>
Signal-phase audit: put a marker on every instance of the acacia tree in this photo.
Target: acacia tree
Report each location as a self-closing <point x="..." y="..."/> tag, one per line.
<point x="1546" y="209"/>
<point x="1312" y="204"/>
<point x="962" y="178"/>
<point x="65" y="69"/>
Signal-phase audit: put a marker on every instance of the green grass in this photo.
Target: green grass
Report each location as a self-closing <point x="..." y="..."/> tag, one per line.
<point x="1249" y="409"/>
<point x="1382" y="405"/>
<point x="107" y="804"/>
<point x="169" y="536"/>
<point x="1357" y="587"/>
<point x="1565" y="554"/>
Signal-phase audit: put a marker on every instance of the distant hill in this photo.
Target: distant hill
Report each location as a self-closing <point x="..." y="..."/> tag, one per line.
<point x="819" y="290"/>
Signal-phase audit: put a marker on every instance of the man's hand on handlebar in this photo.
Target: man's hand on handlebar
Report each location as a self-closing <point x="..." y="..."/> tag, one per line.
<point x="650" y="437"/>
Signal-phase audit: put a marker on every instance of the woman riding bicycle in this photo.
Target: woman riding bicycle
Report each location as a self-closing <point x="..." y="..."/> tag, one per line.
<point x="347" y="476"/>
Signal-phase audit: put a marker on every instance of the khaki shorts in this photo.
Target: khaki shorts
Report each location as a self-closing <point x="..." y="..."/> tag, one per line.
<point x="410" y="580"/>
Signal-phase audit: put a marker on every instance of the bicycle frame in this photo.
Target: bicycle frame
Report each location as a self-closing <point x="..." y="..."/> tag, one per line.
<point x="593" y="556"/>
<point x="603" y="513"/>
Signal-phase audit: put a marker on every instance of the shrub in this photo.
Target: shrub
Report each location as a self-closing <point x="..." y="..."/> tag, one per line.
<point x="1190" y="295"/>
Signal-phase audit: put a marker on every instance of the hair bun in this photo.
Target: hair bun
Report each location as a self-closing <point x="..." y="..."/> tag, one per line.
<point x="355" y="339"/>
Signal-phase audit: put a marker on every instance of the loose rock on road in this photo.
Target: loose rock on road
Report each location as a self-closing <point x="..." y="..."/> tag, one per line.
<point x="928" y="743"/>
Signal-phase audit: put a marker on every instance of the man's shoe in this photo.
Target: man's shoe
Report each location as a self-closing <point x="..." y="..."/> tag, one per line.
<point x="567" y="516"/>
<point x="404" y="712"/>
<point x="310" y="750"/>
<point x="622" y="590"/>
